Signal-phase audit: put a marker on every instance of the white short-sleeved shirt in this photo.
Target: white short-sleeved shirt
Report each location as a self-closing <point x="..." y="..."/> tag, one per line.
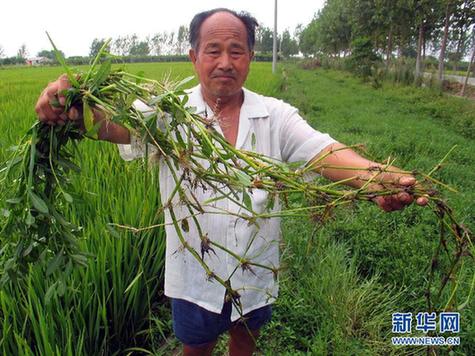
<point x="279" y="132"/>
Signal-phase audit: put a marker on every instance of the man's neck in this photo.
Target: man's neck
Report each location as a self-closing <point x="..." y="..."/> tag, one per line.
<point x="223" y="103"/>
<point x="227" y="110"/>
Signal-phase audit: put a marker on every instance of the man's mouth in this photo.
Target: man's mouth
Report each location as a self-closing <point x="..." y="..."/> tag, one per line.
<point x="223" y="76"/>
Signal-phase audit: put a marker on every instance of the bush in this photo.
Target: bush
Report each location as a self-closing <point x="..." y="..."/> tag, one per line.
<point x="363" y="60"/>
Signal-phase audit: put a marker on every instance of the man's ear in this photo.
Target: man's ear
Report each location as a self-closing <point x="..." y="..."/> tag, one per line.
<point x="192" y="55"/>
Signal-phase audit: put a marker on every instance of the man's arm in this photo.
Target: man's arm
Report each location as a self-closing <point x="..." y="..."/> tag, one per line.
<point x="56" y="115"/>
<point x="359" y="170"/>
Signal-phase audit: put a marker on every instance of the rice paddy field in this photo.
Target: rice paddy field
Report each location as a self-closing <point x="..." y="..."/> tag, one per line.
<point x="341" y="282"/>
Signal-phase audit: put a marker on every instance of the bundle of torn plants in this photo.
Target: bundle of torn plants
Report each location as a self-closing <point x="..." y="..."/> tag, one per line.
<point x="34" y="229"/>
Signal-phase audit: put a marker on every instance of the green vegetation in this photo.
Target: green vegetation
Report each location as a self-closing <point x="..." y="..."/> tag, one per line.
<point x="342" y="281"/>
<point x="416" y="127"/>
<point x="396" y="30"/>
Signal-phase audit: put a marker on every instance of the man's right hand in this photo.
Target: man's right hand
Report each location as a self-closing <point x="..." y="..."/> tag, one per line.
<point x="50" y="105"/>
<point x="50" y="108"/>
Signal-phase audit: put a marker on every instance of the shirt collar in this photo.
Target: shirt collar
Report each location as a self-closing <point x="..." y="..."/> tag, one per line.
<point x="252" y="107"/>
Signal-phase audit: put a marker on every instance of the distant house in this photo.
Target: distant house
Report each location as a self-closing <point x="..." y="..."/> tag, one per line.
<point x="38" y="61"/>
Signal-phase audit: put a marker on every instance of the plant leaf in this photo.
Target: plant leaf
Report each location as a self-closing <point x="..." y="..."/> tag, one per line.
<point x="80" y="259"/>
<point x="38" y="203"/>
<point x="30" y="220"/>
<point x="88" y="120"/>
<point x="102" y="73"/>
<point x="54" y="263"/>
<point x="14" y="200"/>
<point x="246" y="199"/>
<point x="113" y="231"/>
<point x="5" y="213"/>
<point x="67" y="197"/>
<point x="50" y="292"/>
<point x="133" y="282"/>
<point x="100" y="53"/>
<point x="184" y="81"/>
<point x="270" y="202"/>
<point x="243" y="178"/>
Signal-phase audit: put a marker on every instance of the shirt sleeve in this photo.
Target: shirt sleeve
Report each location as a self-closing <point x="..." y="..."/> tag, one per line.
<point x="300" y="141"/>
<point x="136" y="148"/>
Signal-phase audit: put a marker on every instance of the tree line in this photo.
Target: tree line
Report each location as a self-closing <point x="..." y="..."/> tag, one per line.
<point x="436" y="31"/>
<point x="162" y="46"/>
<point x="176" y="43"/>
<point x="20" y="58"/>
<point x="163" y="43"/>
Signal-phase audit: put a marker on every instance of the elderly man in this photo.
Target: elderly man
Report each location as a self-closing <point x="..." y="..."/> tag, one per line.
<point x="222" y="48"/>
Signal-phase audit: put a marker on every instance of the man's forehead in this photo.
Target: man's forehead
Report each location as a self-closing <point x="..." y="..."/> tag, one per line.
<point x="218" y="34"/>
<point x="223" y="24"/>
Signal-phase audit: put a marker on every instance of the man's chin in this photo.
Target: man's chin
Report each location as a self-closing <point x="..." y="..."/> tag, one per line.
<point x="226" y="92"/>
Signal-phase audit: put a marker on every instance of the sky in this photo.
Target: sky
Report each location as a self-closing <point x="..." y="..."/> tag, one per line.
<point x="74" y="24"/>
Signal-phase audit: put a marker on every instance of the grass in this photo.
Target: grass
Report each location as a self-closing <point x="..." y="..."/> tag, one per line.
<point x="396" y="248"/>
<point x="342" y="281"/>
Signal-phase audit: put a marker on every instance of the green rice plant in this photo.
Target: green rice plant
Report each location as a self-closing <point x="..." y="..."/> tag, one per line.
<point x="90" y="308"/>
<point x="89" y="312"/>
<point x="104" y="307"/>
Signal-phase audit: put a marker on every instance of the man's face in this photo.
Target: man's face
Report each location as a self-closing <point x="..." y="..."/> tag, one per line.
<point x="223" y="57"/>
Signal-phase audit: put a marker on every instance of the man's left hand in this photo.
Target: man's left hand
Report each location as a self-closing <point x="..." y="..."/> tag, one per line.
<point x="403" y="198"/>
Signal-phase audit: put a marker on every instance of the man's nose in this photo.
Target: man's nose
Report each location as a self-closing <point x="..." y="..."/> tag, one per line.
<point x="225" y="61"/>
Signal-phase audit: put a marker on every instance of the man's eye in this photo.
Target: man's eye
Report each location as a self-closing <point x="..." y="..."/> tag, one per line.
<point x="237" y="53"/>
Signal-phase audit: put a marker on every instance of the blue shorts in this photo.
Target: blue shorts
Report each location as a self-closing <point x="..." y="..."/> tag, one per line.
<point x="196" y="326"/>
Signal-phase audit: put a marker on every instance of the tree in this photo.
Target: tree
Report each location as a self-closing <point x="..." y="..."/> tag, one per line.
<point x="2" y="52"/>
<point x="308" y="38"/>
<point x="288" y="45"/>
<point x="448" y="13"/>
<point x="164" y="41"/>
<point x="49" y="54"/>
<point x="330" y="31"/>
<point x="96" y="45"/>
<point x="392" y="23"/>
<point x="363" y="58"/>
<point x="22" y="52"/>
<point x="156" y="44"/>
<point x="462" y="20"/>
<point x="120" y="46"/>
<point x="428" y="14"/>
<point x="264" y="39"/>
<point x="131" y="44"/>
<point x="472" y="58"/>
<point x="170" y="42"/>
<point x="182" y="39"/>
<point x="140" y="48"/>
